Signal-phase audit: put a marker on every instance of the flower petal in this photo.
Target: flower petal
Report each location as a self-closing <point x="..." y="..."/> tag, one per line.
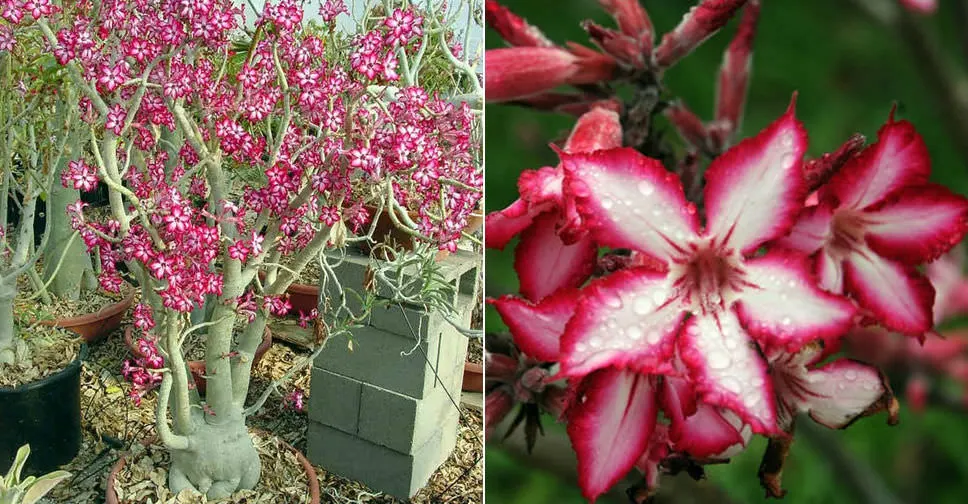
<point x="537" y="328"/>
<point x="843" y="391"/>
<point x="898" y="159"/>
<point x="755" y="190"/>
<point x="502" y="226"/>
<point x="545" y="264"/>
<point x="599" y="128"/>
<point x="830" y="272"/>
<point x="541" y="186"/>
<point x="516" y="72"/>
<point x="918" y="224"/>
<point x="630" y="201"/>
<point x="812" y="230"/>
<point x="727" y="369"/>
<point x="785" y="308"/>
<point x="899" y="296"/>
<point x="696" y="428"/>
<point x="628" y="319"/>
<point x="610" y="424"/>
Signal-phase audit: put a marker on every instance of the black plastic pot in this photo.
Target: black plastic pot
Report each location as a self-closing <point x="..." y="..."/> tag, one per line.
<point x="46" y="414"/>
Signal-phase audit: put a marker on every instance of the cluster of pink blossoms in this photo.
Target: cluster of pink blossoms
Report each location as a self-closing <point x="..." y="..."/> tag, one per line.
<point x="336" y="134"/>
<point x="143" y="371"/>
<point x="713" y="318"/>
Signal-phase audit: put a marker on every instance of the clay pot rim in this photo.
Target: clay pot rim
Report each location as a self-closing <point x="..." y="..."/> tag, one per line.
<point x="475" y="370"/>
<point x="111" y="497"/>
<point x="104" y="313"/>
<point x="306" y="289"/>
<point x="70" y="368"/>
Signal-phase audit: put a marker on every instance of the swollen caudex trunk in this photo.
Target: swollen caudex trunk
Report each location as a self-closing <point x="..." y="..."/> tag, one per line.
<point x="220" y="458"/>
<point x="211" y="450"/>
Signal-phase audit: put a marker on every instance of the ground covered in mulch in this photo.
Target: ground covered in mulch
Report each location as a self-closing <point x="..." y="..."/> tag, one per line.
<point x="112" y="423"/>
<point x="46" y="352"/>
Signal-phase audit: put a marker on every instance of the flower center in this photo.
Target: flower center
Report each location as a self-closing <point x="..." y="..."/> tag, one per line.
<point x="709" y="278"/>
<point x="847" y="233"/>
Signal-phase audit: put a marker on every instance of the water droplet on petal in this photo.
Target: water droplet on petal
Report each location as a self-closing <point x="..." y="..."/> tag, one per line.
<point x="613" y="301"/>
<point x="607" y="203"/>
<point x="595" y="343"/>
<point x="642" y="306"/>
<point x="850" y="375"/>
<point x="646" y="188"/>
<point x="786" y="321"/>
<point x="635" y="333"/>
<point x="654" y="337"/>
<point x="787" y="160"/>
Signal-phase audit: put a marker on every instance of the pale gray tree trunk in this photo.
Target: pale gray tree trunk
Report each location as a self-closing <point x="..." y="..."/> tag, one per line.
<point x="76" y="273"/>
<point x="8" y="292"/>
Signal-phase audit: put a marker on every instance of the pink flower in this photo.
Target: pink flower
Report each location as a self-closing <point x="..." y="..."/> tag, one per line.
<point x="7" y="40"/>
<point x="143" y="318"/>
<point x="332" y="8"/>
<point x="835" y="395"/>
<point x="738" y="300"/>
<point x="404" y="26"/>
<point x="306" y="319"/>
<point x="294" y="399"/>
<point x="878" y="218"/>
<point x="115" y="119"/>
<point x="550" y="254"/>
<point x="112" y="77"/>
<point x="278" y="305"/>
<point x="79" y="175"/>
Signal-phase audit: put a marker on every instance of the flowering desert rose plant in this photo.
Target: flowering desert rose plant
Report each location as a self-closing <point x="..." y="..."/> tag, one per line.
<point x="30" y="115"/>
<point x="729" y="276"/>
<point x="176" y="119"/>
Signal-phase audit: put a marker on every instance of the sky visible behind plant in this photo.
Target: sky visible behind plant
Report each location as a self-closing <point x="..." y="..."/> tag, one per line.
<point x="849" y="71"/>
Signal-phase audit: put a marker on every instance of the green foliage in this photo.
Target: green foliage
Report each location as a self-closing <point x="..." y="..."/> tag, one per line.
<point x="31" y="489"/>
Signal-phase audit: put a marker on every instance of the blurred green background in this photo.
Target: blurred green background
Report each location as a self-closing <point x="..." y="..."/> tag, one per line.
<point x="849" y="70"/>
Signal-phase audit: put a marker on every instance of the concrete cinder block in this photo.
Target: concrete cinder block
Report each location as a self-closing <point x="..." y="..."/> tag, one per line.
<point x="403" y="423"/>
<point x="335" y="400"/>
<point x="409" y="321"/>
<point x="398" y="474"/>
<point x="383" y="359"/>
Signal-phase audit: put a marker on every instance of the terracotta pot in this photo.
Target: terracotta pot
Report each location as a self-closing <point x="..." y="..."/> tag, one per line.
<point x="96" y="326"/>
<point x="386" y="233"/>
<point x="473" y="377"/>
<point x="474" y="222"/>
<point x="197" y="367"/>
<point x="303" y="298"/>
<point x="111" y="497"/>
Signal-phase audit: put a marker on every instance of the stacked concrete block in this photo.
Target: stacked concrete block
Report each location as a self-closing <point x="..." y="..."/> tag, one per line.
<point x="384" y="412"/>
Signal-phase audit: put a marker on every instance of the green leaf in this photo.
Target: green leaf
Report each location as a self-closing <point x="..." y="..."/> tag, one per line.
<point x="44" y="484"/>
